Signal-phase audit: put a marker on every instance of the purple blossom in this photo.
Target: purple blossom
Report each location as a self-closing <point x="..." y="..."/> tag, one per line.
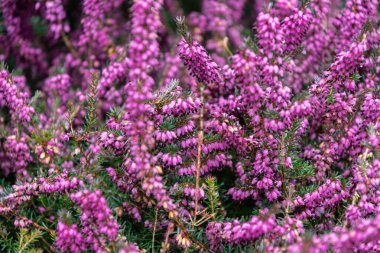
<point x="199" y="63"/>
<point x="255" y="128"/>
<point x="56" y="15"/>
<point x="13" y="98"/>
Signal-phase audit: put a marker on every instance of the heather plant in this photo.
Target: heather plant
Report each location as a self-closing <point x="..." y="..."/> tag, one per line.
<point x="189" y="126"/>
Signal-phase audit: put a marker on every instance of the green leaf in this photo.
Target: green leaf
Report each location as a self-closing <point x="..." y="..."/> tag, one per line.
<point x="27" y="238"/>
<point x="38" y="25"/>
<point x="91" y="117"/>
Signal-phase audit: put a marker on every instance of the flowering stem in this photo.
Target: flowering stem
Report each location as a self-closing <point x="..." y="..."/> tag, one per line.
<point x="282" y="163"/>
<point x="154" y="228"/>
<point x="69" y="45"/>
<point x="52" y="232"/>
<point x="187" y="234"/>
<point x="183" y="228"/>
<point x="200" y="142"/>
<point x="225" y="46"/>
<point x="165" y="245"/>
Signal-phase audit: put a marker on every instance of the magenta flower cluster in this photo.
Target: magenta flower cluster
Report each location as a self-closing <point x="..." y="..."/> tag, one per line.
<point x="189" y="126"/>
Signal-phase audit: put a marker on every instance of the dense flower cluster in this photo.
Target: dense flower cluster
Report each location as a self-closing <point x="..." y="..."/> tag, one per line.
<point x="245" y="126"/>
<point x="199" y="63"/>
<point x="12" y="97"/>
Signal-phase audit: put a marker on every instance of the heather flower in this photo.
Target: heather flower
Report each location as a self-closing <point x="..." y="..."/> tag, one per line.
<point x="26" y="52"/>
<point x="237" y="9"/>
<point x="235" y="232"/>
<point x="218" y="16"/>
<point x="56" y="15"/>
<point x="284" y="8"/>
<point x="270" y="34"/>
<point x="58" y="87"/>
<point x="346" y="62"/>
<point x="351" y="20"/>
<point x="15" y="155"/>
<point x="275" y="109"/>
<point x="294" y="28"/>
<point x="113" y="73"/>
<point x="94" y="12"/>
<point x="69" y="239"/>
<point x="96" y="219"/>
<point x="143" y="48"/>
<point x="199" y="63"/>
<point x="324" y="198"/>
<point x="13" y="98"/>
